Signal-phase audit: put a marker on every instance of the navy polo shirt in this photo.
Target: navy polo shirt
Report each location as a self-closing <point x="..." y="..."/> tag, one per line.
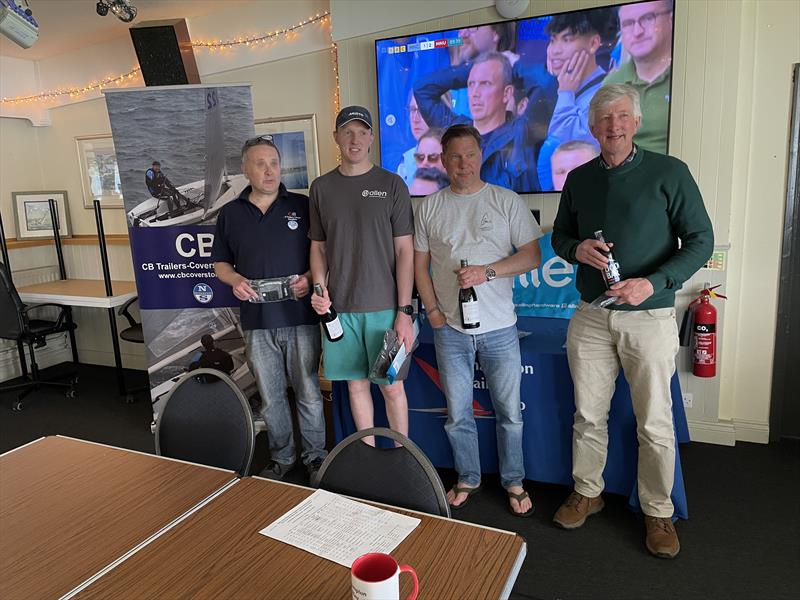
<point x="259" y="246"/>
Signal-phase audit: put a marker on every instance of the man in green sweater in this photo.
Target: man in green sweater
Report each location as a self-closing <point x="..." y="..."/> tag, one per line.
<point x="644" y="203"/>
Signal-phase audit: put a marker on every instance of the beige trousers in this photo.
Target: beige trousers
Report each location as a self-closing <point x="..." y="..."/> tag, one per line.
<point x="644" y="343"/>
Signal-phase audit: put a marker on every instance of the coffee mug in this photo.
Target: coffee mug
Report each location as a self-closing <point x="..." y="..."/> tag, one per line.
<point x="376" y="576"/>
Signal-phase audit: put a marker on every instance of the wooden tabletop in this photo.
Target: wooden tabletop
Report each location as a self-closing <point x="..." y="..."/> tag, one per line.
<point x="219" y="553"/>
<point x="79" y="292"/>
<point x="69" y="508"/>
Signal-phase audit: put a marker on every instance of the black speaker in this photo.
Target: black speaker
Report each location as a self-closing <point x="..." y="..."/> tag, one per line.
<point x="165" y="53"/>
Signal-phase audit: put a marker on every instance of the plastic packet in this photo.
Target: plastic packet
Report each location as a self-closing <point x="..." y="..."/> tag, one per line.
<point x="392" y="362"/>
<point x="274" y="289"/>
<point x="602" y="301"/>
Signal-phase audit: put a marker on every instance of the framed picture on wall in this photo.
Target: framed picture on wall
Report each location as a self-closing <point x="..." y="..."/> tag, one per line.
<point x="32" y="214"/>
<point x="296" y="139"/>
<point x="99" y="171"/>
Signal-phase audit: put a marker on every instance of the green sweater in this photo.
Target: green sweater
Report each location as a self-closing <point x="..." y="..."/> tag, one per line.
<point x="643" y="207"/>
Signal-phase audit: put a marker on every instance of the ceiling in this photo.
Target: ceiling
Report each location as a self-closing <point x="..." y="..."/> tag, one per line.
<point x="67" y="25"/>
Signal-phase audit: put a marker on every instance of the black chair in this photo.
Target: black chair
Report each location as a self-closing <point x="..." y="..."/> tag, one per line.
<point x="16" y="323"/>
<point x="206" y="419"/>
<point x="133" y="333"/>
<point x="401" y="476"/>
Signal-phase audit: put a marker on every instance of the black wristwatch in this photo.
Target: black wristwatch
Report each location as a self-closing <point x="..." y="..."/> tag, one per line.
<point x="407" y="309"/>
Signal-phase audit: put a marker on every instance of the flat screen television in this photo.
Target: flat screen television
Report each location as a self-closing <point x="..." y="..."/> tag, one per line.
<point x="525" y="84"/>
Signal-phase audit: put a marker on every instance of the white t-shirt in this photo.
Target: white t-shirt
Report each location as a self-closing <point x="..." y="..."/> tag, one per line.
<point x="484" y="228"/>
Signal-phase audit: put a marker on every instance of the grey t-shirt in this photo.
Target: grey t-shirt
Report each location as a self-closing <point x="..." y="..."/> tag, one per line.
<point x="484" y="228"/>
<point x="358" y="218"/>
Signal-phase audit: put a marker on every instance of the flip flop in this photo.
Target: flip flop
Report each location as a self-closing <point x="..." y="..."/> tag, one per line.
<point x="461" y="489"/>
<point x="519" y="498"/>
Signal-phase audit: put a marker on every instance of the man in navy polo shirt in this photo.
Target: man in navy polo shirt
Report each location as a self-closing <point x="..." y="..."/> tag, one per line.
<point x="264" y="234"/>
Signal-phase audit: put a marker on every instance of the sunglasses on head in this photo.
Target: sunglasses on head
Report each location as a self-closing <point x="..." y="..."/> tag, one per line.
<point x="431" y="157"/>
<point x="260" y="139"/>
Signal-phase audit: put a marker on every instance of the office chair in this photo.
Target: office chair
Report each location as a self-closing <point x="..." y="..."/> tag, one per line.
<point x="206" y="419"/>
<point x="133" y="333"/>
<point x="16" y="324"/>
<point x="402" y="476"/>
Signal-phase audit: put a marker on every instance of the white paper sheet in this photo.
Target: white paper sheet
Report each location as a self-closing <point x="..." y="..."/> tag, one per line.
<point x="339" y="529"/>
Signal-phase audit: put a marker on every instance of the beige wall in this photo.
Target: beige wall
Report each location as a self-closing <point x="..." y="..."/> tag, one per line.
<point x="730" y="124"/>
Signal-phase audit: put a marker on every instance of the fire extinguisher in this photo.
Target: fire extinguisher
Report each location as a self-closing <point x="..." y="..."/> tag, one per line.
<point x="704" y="333"/>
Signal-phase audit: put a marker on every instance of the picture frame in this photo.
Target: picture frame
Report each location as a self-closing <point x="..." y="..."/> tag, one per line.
<point x="296" y="139"/>
<point x="99" y="171"/>
<point x="32" y="214"/>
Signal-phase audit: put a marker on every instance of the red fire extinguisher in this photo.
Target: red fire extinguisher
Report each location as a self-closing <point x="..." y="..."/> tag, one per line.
<point x="704" y="334"/>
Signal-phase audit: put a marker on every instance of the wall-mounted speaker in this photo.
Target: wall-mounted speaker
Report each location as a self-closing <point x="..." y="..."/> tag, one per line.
<point x="165" y="53"/>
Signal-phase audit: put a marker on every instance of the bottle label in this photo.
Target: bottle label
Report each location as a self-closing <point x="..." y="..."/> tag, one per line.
<point x="334" y="328"/>
<point x="611" y="272"/>
<point x="469" y="310"/>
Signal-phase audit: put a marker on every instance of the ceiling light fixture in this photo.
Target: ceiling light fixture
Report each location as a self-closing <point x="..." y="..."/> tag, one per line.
<point x="123" y="9"/>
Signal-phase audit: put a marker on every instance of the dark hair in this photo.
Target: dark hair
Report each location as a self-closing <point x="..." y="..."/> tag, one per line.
<point x="430" y="174"/>
<point x="155" y="162"/>
<point x="599" y="21"/>
<point x="259" y="140"/>
<point x="459" y="131"/>
<point x="505" y="36"/>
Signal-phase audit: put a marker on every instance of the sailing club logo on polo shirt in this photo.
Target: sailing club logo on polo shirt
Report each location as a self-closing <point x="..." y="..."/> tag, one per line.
<point x="374" y="193"/>
<point x="292" y="220"/>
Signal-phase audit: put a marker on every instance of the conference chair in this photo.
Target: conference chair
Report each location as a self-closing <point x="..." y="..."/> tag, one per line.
<point x="402" y="476"/>
<point x="206" y="419"/>
<point x="17" y="323"/>
<point x="132" y="333"/>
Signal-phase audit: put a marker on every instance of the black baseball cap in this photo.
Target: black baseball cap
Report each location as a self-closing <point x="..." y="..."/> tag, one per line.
<point x="353" y="113"/>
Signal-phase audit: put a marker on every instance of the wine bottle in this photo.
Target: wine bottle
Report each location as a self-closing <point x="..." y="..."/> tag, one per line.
<point x="611" y="271"/>
<point x="468" y="302"/>
<point x="415" y="300"/>
<point x="330" y="320"/>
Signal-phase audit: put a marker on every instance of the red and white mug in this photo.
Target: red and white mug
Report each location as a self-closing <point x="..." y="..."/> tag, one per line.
<point x="376" y="576"/>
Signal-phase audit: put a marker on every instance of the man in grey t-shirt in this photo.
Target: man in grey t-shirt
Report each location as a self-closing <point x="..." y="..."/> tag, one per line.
<point x="362" y="254"/>
<point x="492" y="228"/>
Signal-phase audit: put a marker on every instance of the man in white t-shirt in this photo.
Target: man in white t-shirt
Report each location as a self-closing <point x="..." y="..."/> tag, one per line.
<point x="492" y="228"/>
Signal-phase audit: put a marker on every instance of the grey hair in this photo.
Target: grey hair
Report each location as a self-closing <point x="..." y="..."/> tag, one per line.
<point x="608" y="94"/>
<point x="508" y="75"/>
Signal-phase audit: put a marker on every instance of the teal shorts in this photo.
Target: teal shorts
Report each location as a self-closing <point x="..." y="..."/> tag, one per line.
<point x="352" y="356"/>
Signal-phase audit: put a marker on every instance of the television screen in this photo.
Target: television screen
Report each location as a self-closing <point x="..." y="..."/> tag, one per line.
<point x="525" y="85"/>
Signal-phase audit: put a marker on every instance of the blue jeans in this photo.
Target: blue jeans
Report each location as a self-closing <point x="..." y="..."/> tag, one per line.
<point x="282" y="356"/>
<point x="499" y="357"/>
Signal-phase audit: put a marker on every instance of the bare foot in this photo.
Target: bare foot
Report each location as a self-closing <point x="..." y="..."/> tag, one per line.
<point x="519" y="506"/>
<point x="459" y="494"/>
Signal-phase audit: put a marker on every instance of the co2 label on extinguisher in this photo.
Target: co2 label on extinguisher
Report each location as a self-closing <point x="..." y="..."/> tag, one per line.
<point x="705" y="327"/>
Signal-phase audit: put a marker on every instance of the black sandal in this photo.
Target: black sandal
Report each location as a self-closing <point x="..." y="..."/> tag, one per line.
<point x="519" y="498"/>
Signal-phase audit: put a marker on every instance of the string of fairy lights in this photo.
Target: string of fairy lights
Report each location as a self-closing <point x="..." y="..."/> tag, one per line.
<point x="269" y="38"/>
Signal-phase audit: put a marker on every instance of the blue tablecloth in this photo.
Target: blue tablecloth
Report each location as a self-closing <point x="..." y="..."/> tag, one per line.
<point x="548" y="408"/>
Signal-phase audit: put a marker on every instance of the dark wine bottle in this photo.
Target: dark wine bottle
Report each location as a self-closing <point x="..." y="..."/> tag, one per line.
<point x="611" y="272"/>
<point x="468" y="302"/>
<point x="415" y="300"/>
<point x="330" y="320"/>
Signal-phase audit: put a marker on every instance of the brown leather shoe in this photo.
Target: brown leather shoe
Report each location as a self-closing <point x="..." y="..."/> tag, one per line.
<point x="662" y="539"/>
<point x="572" y="514"/>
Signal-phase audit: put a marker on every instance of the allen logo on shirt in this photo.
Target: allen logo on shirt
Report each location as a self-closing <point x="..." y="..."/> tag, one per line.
<point x="374" y="194"/>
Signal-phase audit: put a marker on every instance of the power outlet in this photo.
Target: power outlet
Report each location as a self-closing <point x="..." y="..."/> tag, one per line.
<point x="688" y="400"/>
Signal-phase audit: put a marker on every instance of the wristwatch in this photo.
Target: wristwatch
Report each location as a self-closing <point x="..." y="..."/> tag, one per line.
<point x="490" y="273"/>
<point x="407" y="309"/>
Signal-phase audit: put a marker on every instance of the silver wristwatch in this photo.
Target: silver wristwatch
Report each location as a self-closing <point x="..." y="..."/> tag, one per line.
<point x="490" y="273"/>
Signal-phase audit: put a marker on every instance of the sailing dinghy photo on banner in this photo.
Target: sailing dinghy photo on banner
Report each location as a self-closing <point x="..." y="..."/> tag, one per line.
<point x="179" y="155"/>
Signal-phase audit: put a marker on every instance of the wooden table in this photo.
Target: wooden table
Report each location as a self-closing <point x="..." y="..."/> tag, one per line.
<point x="87" y="293"/>
<point x="69" y="509"/>
<point x="219" y="553"/>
